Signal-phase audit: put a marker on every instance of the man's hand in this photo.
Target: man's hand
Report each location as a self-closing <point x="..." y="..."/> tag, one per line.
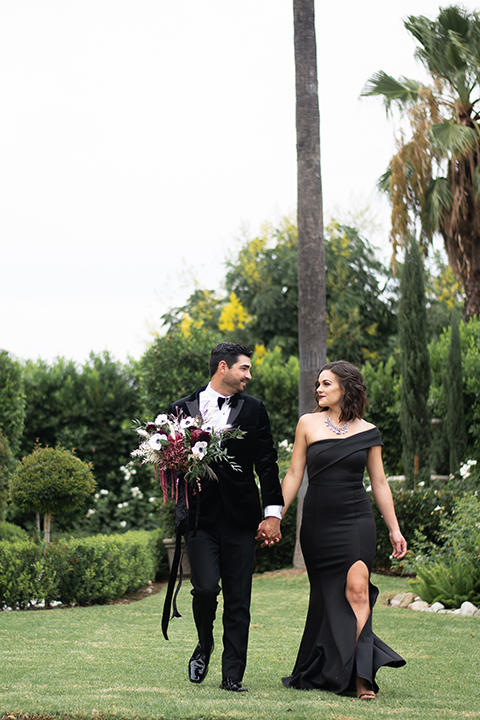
<point x="269" y="531"/>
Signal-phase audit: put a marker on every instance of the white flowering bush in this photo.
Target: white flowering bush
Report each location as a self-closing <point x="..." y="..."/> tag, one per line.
<point x="130" y="509"/>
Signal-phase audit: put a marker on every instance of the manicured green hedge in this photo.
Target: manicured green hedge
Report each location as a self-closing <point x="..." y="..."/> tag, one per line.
<point x="79" y="571"/>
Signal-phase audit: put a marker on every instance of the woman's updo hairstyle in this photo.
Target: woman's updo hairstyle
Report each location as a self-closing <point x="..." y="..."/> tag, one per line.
<point x="354" y="400"/>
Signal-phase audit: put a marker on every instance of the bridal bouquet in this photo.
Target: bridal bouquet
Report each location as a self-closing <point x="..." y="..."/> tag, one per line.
<point x="175" y="443"/>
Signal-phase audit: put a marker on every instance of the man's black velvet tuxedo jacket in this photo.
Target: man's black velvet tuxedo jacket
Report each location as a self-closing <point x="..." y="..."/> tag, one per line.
<point x="236" y="493"/>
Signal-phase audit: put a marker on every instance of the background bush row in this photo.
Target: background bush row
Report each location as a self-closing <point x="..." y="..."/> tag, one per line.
<point x="79" y="571"/>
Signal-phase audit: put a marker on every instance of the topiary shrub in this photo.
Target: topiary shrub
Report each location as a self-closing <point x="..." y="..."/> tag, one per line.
<point x="51" y="480"/>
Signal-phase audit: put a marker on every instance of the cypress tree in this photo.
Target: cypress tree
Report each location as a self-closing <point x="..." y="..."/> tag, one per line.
<point x="415" y="367"/>
<point x="455" y="420"/>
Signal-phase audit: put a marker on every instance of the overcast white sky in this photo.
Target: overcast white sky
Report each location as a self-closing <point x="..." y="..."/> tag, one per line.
<point x="138" y="137"/>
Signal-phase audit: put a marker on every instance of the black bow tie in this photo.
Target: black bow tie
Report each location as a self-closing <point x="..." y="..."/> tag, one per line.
<point x="231" y="401"/>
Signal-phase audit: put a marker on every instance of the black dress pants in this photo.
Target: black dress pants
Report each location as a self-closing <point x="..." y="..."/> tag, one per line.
<point x="225" y="554"/>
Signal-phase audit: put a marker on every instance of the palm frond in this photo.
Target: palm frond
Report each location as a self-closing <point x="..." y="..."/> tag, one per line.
<point x="444" y="44"/>
<point x="383" y="182"/>
<point x="438" y="198"/>
<point x="453" y="138"/>
<point x="402" y="91"/>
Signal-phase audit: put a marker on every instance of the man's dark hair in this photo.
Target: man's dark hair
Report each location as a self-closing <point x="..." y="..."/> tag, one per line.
<point x="229" y="352"/>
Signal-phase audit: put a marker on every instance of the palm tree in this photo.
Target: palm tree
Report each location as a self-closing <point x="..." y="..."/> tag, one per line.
<point x="434" y="178"/>
<point x="312" y="325"/>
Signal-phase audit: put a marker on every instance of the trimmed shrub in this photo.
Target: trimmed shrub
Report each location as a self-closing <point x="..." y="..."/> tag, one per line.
<point x="81" y="571"/>
<point x="12" y="533"/>
<point x="98" y="569"/>
<point x="21" y="570"/>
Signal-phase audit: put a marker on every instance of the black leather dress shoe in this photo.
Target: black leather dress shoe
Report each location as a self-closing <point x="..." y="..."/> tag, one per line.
<point x="198" y="665"/>
<point x="232" y="684"/>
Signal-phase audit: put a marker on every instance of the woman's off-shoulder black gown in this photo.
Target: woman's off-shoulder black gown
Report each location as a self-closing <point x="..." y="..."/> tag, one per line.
<point x="338" y="528"/>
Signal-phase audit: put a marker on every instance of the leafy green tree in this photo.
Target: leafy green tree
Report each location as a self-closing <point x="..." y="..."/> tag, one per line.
<point x="415" y="367"/>
<point x="7" y="466"/>
<point x="360" y="303"/>
<point x="276" y="382"/>
<point x="203" y="309"/>
<point x="470" y="349"/>
<point x="55" y="404"/>
<point x="50" y="480"/>
<point x="443" y="292"/>
<point x="88" y="409"/>
<point x="12" y="401"/>
<point x="359" y="290"/>
<point x="174" y="366"/>
<point x="264" y="277"/>
<point x="383" y="409"/>
<point x="455" y="420"/>
<point x="434" y="178"/>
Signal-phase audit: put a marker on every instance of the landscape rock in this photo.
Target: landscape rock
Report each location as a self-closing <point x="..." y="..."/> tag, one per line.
<point x="418" y="605"/>
<point x="436" y="607"/>
<point x="468" y="609"/>
<point x="402" y="600"/>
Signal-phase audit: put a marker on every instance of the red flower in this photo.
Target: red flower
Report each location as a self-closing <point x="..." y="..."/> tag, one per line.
<point x="199" y="436"/>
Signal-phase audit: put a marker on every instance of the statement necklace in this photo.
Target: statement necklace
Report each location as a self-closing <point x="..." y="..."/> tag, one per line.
<point x="337" y="429"/>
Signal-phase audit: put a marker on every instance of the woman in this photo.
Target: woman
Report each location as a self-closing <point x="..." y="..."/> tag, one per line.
<point x="339" y="651"/>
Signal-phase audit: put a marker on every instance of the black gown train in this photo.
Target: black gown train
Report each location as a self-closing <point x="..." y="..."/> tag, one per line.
<point x="338" y="529"/>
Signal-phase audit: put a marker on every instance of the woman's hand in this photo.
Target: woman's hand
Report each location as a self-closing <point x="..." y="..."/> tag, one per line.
<point x="399" y="544"/>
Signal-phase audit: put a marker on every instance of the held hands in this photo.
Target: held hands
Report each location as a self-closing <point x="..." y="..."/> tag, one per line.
<point x="399" y="544"/>
<point x="269" y="531"/>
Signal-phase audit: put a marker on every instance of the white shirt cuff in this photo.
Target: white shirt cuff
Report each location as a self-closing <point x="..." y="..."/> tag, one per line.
<point x="273" y="511"/>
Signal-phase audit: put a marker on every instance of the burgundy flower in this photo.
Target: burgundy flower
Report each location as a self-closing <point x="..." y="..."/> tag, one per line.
<point x="198" y="435"/>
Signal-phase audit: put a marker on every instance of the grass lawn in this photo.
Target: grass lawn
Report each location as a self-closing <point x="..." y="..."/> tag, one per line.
<point x="113" y="661"/>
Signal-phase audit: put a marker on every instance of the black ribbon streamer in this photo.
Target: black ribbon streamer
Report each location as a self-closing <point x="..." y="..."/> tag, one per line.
<point x="172" y="594"/>
<point x="171" y="586"/>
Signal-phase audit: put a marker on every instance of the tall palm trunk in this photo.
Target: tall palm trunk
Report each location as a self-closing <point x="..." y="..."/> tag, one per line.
<point x="312" y="326"/>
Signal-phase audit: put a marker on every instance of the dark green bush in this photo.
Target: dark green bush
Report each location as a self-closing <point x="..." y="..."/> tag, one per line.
<point x="12" y="533"/>
<point x="21" y="571"/>
<point x="447" y="569"/>
<point x="422" y="509"/>
<point x="82" y="571"/>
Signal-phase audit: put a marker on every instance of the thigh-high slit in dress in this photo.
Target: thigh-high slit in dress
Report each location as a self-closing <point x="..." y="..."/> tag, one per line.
<point x="338" y="529"/>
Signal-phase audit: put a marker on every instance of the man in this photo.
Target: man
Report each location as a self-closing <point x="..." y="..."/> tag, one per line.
<point x="224" y="516"/>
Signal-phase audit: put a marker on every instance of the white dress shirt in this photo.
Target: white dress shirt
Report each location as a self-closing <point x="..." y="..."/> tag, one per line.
<point x="218" y="418"/>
